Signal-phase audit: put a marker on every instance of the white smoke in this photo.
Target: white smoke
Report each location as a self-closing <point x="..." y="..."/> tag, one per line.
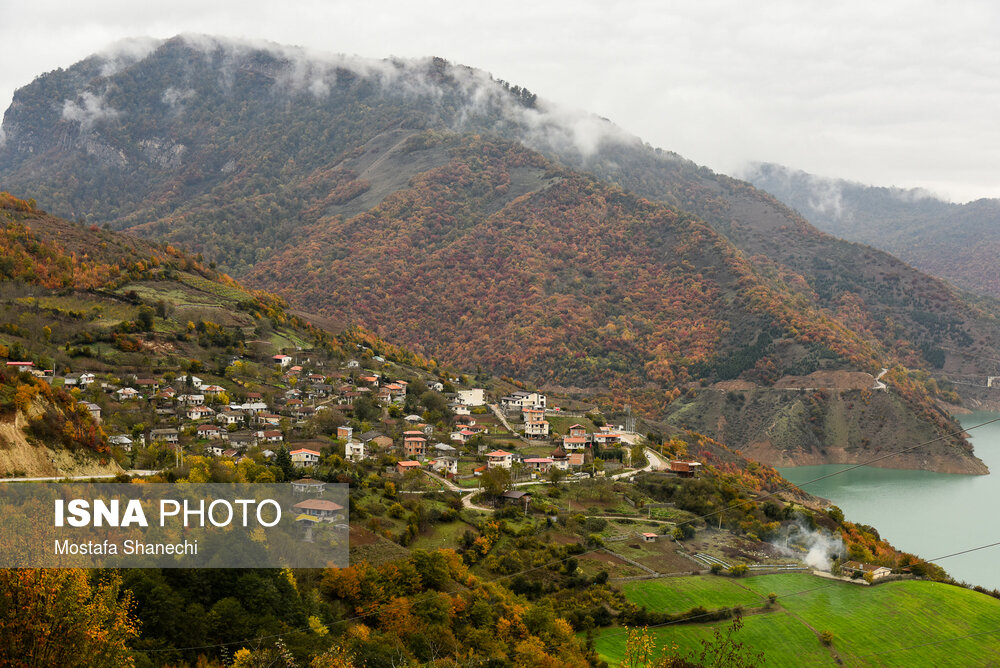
<point x="90" y="110"/>
<point x="817" y="548"/>
<point x="175" y="97"/>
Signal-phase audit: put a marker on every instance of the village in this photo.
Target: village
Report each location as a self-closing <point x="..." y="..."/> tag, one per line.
<point x="303" y="404"/>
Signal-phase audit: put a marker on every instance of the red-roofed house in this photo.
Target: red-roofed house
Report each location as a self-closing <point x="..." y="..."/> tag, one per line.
<point x="414" y="445"/>
<point x="499" y="458"/>
<point x="321" y="509"/>
<point x="404" y="466"/>
<point x="539" y="464"/>
<point x="305" y="457"/>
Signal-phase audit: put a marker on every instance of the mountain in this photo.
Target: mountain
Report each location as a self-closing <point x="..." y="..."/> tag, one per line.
<point x="473" y="221"/>
<point x="958" y="242"/>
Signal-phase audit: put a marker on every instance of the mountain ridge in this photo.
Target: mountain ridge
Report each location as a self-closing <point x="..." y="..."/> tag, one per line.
<point x="251" y="156"/>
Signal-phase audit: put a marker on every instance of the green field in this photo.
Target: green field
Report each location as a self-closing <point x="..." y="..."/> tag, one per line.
<point x="683" y="593"/>
<point x="893" y="624"/>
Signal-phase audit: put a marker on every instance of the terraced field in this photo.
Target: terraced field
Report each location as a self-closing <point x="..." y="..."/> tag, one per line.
<point x="908" y="623"/>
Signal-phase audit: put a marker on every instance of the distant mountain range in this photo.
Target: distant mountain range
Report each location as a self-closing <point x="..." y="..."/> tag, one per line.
<point x="473" y="221"/>
<point x="959" y="242"/>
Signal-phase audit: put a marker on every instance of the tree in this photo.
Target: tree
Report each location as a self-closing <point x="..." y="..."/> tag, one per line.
<point x="283" y="460"/>
<point x="496" y="481"/>
<point x="145" y="318"/>
<point x="60" y="617"/>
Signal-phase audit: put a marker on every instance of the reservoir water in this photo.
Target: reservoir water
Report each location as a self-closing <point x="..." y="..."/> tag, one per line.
<point x="928" y="514"/>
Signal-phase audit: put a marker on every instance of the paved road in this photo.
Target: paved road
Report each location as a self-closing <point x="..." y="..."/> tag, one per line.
<point x="142" y="473"/>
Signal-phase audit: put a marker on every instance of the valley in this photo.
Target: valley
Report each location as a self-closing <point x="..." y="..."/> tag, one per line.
<point x="556" y="368"/>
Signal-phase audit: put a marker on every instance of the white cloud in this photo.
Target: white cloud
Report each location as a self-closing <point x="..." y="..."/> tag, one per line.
<point x="890" y="93"/>
<point x="90" y="110"/>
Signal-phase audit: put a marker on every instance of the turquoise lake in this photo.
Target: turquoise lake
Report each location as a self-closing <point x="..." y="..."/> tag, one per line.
<point x="928" y="514"/>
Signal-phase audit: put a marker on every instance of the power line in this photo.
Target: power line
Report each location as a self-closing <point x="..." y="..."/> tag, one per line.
<point x="806" y="591"/>
<point x="528" y="570"/>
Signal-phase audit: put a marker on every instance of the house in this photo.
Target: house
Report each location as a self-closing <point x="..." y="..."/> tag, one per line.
<point x="232" y="453"/>
<point x="79" y="379"/>
<point x="354" y="451"/>
<point x="475" y="397"/>
<point x="459" y="409"/>
<point x="606" y="437"/>
<point x="649" y="537"/>
<point x="443" y="449"/>
<point x="213" y="390"/>
<point x="414" y="444"/>
<point x="228" y="416"/>
<point x="518" y="401"/>
<point x="147" y="384"/>
<point x="283" y="360"/>
<point x="164" y="435"/>
<point x="127" y="393"/>
<point x="268" y="419"/>
<point x="445" y="465"/>
<point x="243" y="439"/>
<point x="376" y="439"/>
<point x="215" y="449"/>
<point x="199" y="412"/>
<point x="560" y="459"/>
<point x="303" y="412"/>
<point x="308" y="486"/>
<point x="209" y="431"/>
<point x="856" y="569"/>
<point x="539" y="429"/>
<point x="273" y="436"/>
<point x="124" y="442"/>
<point x="345" y="433"/>
<point x="516" y="497"/>
<point x="404" y="466"/>
<point x="305" y="457"/>
<point x="576" y="460"/>
<point x="462" y="435"/>
<point x="353" y="364"/>
<point x="499" y="458"/>
<point x="574" y="443"/>
<point x="93" y="409"/>
<point x="191" y="399"/>
<point x="539" y="464"/>
<point x="685" y="469"/>
<point x="319" y="509"/>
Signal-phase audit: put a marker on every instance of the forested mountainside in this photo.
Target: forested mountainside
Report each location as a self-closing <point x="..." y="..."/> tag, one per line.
<point x="343" y="185"/>
<point x="79" y="300"/>
<point x="958" y="242"/>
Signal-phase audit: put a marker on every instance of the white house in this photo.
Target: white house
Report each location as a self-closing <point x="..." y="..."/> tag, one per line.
<point x="445" y="465"/>
<point x="199" y="412"/>
<point x="127" y="393"/>
<point x="283" y="360"/>
<point x="305" y="457"/>
<point x="474" y="397"/>
<point x="354" y="451"/>
<point x="539" y="429"/>
<point x="499" y="458"/>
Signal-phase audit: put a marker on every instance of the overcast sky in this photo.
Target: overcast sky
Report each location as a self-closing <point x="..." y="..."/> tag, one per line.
<point x="883" y="92"/>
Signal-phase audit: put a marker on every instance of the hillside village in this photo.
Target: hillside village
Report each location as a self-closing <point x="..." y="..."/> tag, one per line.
<point x="310" y="407"/>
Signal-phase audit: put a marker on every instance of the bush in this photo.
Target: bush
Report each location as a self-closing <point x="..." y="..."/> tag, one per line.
<point x="826" y="637"/>
<point x="738" y="570"/>
<point x="715" y="568"/>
